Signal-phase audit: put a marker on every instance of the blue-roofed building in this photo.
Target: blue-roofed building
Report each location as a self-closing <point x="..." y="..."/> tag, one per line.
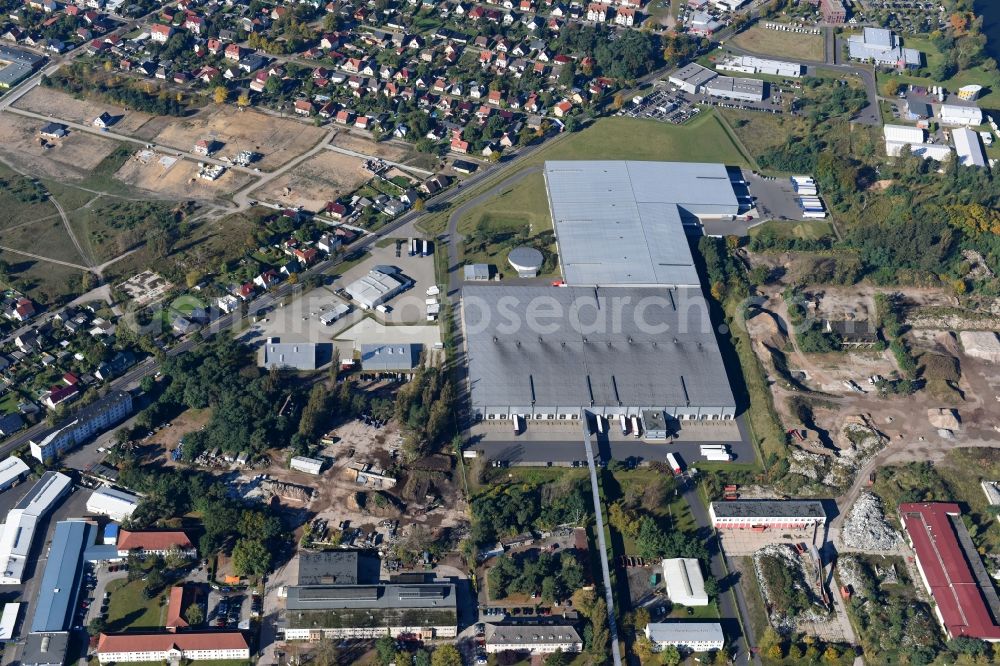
<point x="111" y="534"/>
<point x="60" y="587"/>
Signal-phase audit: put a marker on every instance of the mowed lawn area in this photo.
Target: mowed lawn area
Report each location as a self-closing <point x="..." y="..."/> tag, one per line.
<point x="781" y="44"/>
<point x="703" y="139"/>
<point x="129" y="609"/>
<point x="525" y="203"/>
<point x="932" y="57"/>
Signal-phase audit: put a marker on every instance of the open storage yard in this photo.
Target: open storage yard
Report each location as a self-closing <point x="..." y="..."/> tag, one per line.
<point x="316" y="181"/>
<point x="277" y="140"/>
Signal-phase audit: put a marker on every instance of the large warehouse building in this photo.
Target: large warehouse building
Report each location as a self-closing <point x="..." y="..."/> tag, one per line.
<point x="631" y="332"/>
<point x="545" y="353"/>
<point x="965" y="601"/>
<point x="622" y="223"/>
<point x="18" y="531"/>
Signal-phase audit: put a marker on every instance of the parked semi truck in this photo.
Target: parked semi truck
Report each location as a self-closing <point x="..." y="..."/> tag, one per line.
<point x="623" y="422"/>
<point x="636" y="429"/>
<point x="718" y="456"/>
<point x="674" y="463"/>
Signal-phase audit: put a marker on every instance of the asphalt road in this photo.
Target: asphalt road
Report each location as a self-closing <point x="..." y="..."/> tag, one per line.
<point x="732" y="604"/>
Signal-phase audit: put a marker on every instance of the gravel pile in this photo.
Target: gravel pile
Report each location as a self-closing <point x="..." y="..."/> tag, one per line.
<point x="865" y="527"/>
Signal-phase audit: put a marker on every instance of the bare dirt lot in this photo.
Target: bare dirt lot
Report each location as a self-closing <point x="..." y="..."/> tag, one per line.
<point x="66" y="107"/>
<point x="68" y="158"/>
<point x="359" y="144"/>
<point x="336" y="499"/>
<point x="277" y="140"/>
<point x="175" y="178"/>
<point x="316" y="181"/>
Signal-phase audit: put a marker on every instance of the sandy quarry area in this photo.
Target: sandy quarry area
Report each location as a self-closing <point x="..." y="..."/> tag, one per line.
<point x="277" y="140"/>
<point x="66" y="107"/>
<point x="68" y="158"/>
<point x="175" y="178"/>
<point x="314" y="182"/>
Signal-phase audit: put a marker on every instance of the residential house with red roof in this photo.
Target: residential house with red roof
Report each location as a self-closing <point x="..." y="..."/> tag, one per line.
<point x="172" y="648"/>
<point x="154" y="542"/>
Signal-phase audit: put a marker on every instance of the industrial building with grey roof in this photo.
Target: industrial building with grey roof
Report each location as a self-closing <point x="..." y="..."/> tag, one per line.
<point x="630" y="334"/>
<point x="622" y="223"/>
<point x="546" y="351"/>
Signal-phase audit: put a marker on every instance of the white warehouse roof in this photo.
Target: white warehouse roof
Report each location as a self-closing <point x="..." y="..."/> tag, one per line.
<point x="954" y="114"/>
<point x="967" y="147"/>
<point x="620" y="222"/>
<point x="116" y="504"/>
<point x="685" y="584"/>
<point x="903" y="133"/>
<point x="9" y="620"/>
<point x="19" y="529"/>
<point x="304" y="464"/>
<point x="685" y="633"/>
<point x="11" y="470"/>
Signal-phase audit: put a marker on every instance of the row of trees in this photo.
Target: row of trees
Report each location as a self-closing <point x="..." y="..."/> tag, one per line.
<point x="80" y="79"/>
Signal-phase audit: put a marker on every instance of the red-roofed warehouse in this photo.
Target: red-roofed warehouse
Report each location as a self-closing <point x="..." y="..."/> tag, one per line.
<point x="952" y="570"/>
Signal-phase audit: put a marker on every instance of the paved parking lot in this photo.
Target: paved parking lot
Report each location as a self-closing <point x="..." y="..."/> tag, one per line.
<point x="774" y="197"/>
<point x="541" y="445"/>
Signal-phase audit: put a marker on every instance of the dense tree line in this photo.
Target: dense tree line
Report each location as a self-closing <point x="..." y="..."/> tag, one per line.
<point x="552" y="578"/>
<point x="509" y="510"/>
<point x="425" y="406"/>
<point x="245" y="400"/>
<point x="624" y="55"/>
<point x="80" y="79"/>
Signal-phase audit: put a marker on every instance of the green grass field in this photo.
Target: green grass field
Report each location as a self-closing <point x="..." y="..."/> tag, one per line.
<point x="130" y="609"/>
<point x="766" y="41"/>
<point x="989" y="80"/>
<point x="805" y="230"/>
<point x="703" y="139"/>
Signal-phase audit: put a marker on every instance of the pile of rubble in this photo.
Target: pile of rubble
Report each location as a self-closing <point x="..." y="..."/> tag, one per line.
<point x="794" y="564"/>
<point x="859" y="443"/>
<point x="291" y="491"/>
<point x="865" y="527"/>
<point x="810" y="465"/>
<point x="850" y="574"/>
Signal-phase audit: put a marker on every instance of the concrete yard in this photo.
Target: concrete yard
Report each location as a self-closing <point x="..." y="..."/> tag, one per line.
<point x="561" y="445"/>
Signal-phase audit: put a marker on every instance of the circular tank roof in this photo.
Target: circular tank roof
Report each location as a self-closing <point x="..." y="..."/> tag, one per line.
<point x="526" y="259"/>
